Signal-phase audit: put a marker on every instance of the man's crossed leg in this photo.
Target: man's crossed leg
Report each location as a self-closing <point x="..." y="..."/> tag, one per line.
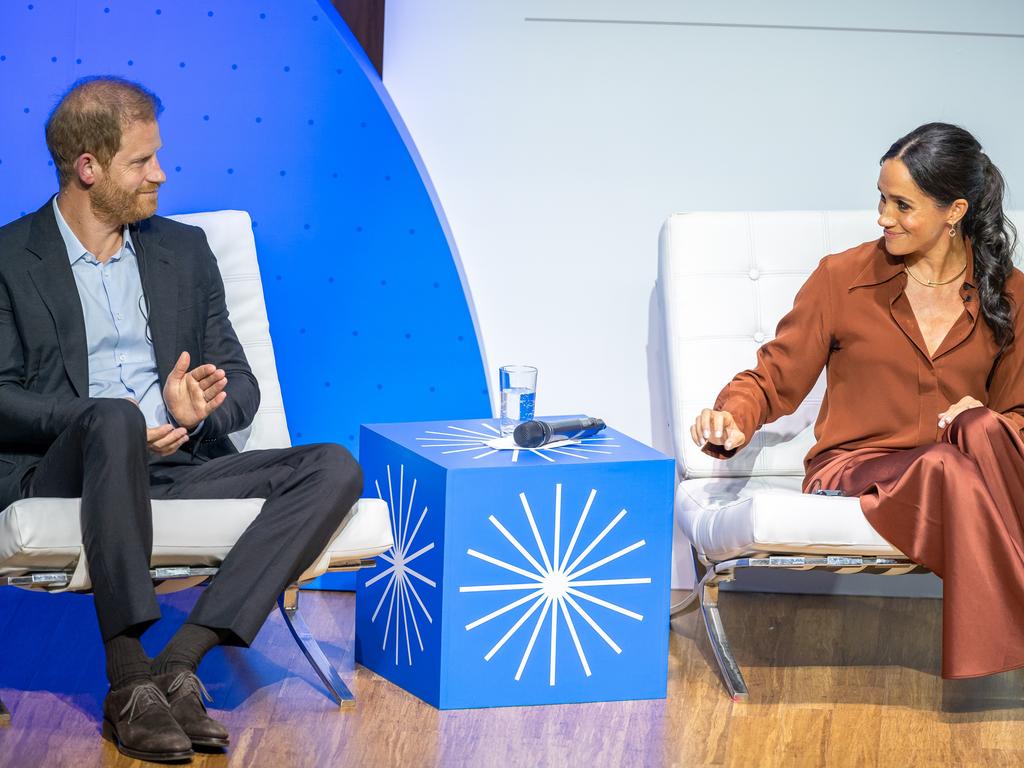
<point x="154" y="709"/>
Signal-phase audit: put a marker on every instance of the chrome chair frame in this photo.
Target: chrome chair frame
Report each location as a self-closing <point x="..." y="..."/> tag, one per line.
<point x="287" y="602"/>
<point x="712" y="574"/>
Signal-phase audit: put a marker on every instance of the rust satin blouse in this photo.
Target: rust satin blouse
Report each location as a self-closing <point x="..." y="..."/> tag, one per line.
<point x="884" y="392"/>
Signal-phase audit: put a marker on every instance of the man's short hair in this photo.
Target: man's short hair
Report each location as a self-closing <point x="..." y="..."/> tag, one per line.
<point x="91" y="116"/>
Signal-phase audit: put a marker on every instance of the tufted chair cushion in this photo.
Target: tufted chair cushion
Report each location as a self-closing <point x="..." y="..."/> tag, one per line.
<point x="231" y="240"/>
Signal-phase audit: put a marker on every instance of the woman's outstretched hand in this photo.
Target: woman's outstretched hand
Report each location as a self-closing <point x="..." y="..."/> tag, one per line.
<point x="717" y="428"/>
<point x="954" y="410"/>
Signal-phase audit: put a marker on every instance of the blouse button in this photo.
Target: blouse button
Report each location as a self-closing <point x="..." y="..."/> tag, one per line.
<point x="754" y="274"/>
<point x="758" y="337"/>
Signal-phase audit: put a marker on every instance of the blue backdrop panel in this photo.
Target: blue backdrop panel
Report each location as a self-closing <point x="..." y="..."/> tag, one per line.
<point x="529" y="577"/>
<point x="272" y="107"/>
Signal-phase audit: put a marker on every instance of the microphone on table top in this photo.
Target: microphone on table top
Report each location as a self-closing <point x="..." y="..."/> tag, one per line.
<point x="533" y="434"/>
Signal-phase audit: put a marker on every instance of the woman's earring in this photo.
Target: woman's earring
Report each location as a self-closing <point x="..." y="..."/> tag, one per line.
<point x="952" y="230"/>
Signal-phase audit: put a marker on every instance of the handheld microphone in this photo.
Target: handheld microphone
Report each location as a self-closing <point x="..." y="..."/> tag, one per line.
<point x="533" y="434"/>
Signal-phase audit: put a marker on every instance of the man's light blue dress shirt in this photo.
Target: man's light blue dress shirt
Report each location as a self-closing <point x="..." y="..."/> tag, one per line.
<point x="122" y="362"/>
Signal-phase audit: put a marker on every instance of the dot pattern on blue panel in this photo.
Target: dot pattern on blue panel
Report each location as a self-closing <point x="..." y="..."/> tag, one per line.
<point x="265" y="116"/>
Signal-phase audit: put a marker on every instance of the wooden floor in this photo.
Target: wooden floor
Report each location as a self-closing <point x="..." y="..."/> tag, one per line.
<point x="836" y="681"/>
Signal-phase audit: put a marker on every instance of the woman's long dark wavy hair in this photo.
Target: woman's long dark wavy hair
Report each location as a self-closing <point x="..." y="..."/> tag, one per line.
<point x="947" y="163"/>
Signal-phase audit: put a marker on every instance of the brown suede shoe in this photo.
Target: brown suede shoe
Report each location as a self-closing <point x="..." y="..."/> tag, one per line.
<point x="185" y="693"/>
<point x="138" y="719"/>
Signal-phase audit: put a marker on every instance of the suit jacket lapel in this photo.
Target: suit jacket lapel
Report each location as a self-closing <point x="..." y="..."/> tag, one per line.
<point x="160" y="284"/>
<point x="56" y="285"/>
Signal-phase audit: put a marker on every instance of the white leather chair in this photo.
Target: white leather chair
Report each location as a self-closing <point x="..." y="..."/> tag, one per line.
<point x="40" y="539"/>
<point x="748" y="511"/>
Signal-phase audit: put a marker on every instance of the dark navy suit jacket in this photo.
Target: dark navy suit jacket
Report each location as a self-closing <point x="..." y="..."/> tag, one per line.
<point x="44" y="370"/>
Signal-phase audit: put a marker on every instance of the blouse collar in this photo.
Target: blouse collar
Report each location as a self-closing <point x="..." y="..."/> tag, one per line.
<point x="884" y="266"/>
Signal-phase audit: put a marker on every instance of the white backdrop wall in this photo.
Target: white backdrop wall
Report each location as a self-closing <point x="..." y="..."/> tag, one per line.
<point x="561" y="134"/>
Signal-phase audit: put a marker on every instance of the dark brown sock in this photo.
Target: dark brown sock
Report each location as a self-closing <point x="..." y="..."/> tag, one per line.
<point x="127" y="662"/>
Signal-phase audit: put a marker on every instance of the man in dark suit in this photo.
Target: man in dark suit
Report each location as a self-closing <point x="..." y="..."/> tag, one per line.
<point x="103" y="309"/>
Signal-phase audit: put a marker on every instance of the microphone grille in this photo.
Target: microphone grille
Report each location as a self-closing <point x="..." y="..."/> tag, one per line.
<point x="529" y="434"/>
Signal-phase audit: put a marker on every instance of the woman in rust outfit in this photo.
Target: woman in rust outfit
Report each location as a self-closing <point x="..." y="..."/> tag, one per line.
<point x="921" y="334"/>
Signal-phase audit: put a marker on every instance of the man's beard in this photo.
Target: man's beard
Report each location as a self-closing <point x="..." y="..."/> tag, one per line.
<point x="118" y="206"/>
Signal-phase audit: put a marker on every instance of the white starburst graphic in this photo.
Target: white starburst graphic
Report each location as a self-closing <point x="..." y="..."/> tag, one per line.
<point x="461" y="440"/>
<point x="555" y="585"/>
<point x="404" y="596"/>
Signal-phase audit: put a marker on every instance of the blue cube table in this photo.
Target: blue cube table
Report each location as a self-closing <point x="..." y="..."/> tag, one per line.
<point x="517" y="577"/>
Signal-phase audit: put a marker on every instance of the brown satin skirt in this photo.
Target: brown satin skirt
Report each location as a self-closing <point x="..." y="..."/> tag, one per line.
<point x="956" y="507"/>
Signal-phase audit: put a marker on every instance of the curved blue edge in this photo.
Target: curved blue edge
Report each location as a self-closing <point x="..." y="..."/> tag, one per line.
<point x="273" y="108"/>
<point x="396" y="118"/>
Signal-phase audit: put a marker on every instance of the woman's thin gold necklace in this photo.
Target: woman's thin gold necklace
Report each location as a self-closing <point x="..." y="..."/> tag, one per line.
<point x="933" y="283"/>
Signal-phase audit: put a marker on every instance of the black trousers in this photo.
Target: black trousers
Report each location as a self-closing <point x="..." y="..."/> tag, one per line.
<point x="102" y="457"/>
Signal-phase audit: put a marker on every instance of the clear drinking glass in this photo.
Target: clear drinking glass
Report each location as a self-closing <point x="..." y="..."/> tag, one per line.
<point x="518" y="385"/>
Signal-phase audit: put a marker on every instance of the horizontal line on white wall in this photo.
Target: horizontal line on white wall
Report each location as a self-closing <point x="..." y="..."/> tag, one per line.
<point x="680" y="338"/>
<point x="797" y="27"/>
<point x="744" y="273"/>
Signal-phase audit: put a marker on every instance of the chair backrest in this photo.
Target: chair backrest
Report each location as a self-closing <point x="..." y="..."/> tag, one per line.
<point x="759" y="260"/>
<point x="231" y="240"/>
